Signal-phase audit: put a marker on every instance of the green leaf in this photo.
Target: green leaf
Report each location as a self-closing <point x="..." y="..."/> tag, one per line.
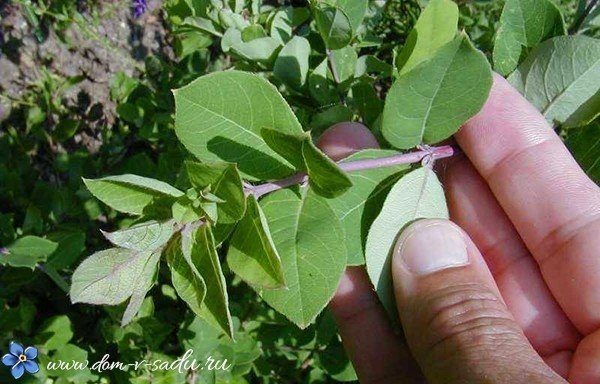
<point x="334" y="361"/>
<point x="458" y="83"/>
<point x="584" y="143"/>
<point x="219" y="117"/>
<point x="199" y="246"/>
<point x="325" y="177"/>
<point x="369" y="64"/>
<point x="358" y="207"/>
<point x="561" y="78"/>
<point x="184" y="212"/>
<point x="436" y="27"/>
<point x="65" y="129"/>
<point x="252" y="254"/>
<point x="27" y="252"/>
<point x="109" y="276"/>
<point x="310" y="240"/>
<point x="524" y="24"/>
<point x="333" y="25"/>
<point x="355" y="10"/>
<point x="325" y="119"/>
<point x="285" y="20"/>
<point x="147" y="236"/>
<point x="417" y="195"/>
<point x="344" y="61"/>
<point x="230" y="19"/>
<point x="201" y="24"/>
<point x="186" y="279"/>
<point x="71" y="353"/>
<point x="129" y="193"/>
<point x="291" y="65"/>
<point x="70" y="247"/>
<point x="55" y="333"/>
<point x="367" y="102"/>
<point x="143" y="283"/>
<point x="320" y="86"/>
<point x="225" y="182"/>
<point x="262" y="49"/>
<point x="254" y="31"/>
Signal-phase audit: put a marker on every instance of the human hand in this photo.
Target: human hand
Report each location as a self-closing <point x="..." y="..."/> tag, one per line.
<point x="513" y="296"/>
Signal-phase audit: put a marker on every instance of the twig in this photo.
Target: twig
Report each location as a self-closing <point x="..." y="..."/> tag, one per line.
<point x="54" y="276"/>
<point x="431" y="153"/>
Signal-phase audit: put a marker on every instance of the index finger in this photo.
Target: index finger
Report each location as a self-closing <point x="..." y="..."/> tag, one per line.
<point x="554" y="206"/>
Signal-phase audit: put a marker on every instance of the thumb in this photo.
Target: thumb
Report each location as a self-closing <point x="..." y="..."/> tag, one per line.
<point x="456" y="323"/>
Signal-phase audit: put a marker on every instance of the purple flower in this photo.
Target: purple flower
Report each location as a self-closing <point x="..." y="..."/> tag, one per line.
<point x="20" y="360"/>
<point x="139" y="8"/>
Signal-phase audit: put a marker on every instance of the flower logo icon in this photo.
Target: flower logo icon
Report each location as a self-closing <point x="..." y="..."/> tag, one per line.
<point x="20" y="360"/>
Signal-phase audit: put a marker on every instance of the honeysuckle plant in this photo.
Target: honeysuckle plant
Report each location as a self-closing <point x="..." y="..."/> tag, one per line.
<point x="259" y="191"/>
<point x="255" y="204"/>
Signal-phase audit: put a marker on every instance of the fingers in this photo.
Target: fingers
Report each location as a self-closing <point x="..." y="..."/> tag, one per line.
<point x="586" y="367"/>
<point x="474" y="208"/>
<point x="554" y="206"/>
<point x="454" y="318"/>
<point x="377" y="353"/>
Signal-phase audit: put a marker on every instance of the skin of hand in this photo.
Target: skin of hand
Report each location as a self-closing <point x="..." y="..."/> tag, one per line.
<point x="506" y="292"/>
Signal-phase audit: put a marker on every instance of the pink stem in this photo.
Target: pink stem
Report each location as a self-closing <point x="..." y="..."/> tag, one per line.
<point x="432" y="153"/>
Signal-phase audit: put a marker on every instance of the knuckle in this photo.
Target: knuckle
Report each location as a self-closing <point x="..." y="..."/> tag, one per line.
<point x="469" y="317"/>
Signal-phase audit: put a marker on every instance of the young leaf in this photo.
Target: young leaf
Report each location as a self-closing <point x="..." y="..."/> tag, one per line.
<point x="108" y="277"/>
<point x="142" y="285"/>
<point x="291" y="65"/>
<point x="333" y="25"/>
<point x="435" y="28"/>
<point x="148" y="236"/>
<point x="417" y="195"/>
<point x="358" y="207"/>
<point x="27" y="252"/>
<point x="561" y="78"/>
<point x="584" y="143"/>
<point x="252" y="254"/>
<point x="185" y="211"/>
<point x="310" y="240"/>
<point x="198" y="245"/>
<point x="219" y="117"/>
<point x="225" y="182"/>
<point x="458" y="83"/>
<point x="524" y="24"/>
<point x="325" y="177"/>
<point x="186" y="279"/>
<point x="129" y="193"/>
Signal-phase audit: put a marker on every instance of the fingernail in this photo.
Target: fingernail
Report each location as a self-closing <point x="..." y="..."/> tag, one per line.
<point x="431" y="246"/>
